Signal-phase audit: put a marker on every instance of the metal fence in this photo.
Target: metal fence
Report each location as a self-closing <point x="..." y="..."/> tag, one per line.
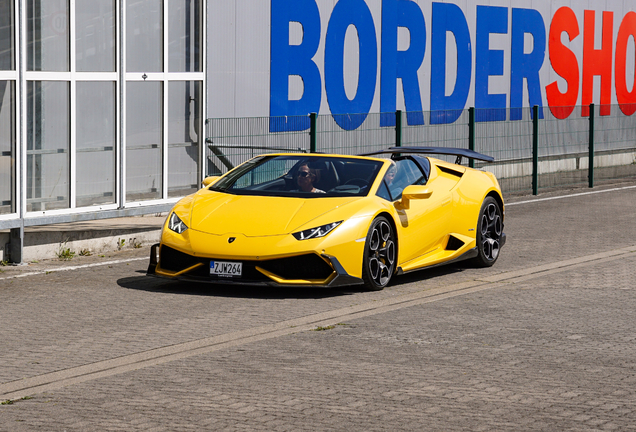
<point x="536" y="151"/>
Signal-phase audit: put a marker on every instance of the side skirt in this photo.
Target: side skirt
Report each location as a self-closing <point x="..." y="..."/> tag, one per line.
<point x="471" y="253"/>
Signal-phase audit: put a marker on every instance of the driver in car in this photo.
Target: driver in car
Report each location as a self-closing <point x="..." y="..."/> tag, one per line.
<point x="305" y="180"/>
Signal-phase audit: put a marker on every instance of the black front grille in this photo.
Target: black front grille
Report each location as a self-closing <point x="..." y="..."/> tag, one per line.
<point x="173" y="260"/>
<point x="309" y="266"/>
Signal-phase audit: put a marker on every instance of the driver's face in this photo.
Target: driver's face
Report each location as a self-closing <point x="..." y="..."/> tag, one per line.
<point x="304" y="176"/>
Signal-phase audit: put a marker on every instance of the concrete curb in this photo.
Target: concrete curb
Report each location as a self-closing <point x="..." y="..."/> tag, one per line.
<point x="46" y="242"/>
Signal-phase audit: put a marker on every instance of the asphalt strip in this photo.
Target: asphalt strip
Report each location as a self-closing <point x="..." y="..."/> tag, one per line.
<point x="56" y="380"/>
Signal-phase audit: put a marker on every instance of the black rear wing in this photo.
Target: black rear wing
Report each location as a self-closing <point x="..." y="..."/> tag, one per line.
<point x="452" y="151"/>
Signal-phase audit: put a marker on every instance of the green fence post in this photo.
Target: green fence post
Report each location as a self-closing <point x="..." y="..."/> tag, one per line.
<point x="312" y="133"/>
<point x="591" y="142"/>
<point x="471" y="134"/>
<point x="535" y="150"/>
<point x="398" y="128"/>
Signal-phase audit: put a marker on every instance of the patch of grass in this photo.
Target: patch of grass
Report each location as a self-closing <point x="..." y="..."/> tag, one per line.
<point x="4" y="263"/>
<point x="85" y="252"/>
<point x="11" y="402"/>
<point x="65" y="253"/>
<point x="329" y="327"/>
<point x="321" y="328"/>
<point x="134" y="243"/>
<point x="121" y="243"/>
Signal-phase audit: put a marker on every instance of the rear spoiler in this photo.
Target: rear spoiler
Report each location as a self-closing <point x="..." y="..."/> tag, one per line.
<point x="452" y="151"/>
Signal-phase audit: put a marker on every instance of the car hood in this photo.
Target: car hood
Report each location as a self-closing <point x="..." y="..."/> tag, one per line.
<point x="220" y="213"/>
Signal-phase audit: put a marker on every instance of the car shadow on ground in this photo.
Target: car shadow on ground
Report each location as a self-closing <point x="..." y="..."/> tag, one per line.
<point x="152" y="284"/>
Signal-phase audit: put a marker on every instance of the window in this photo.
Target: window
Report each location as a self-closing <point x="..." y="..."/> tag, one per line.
<point x="144" y="36"/>
<point x="7" y="36"/>
<point x="7" y="146"/>
<point x="164" y="98"/>
<point x="47" y="35"/>
<point x="184" y="135"/>
<point x="404" y="173"/>
<point x="95" y="35"/>
<point x="96" y="141"/>
<point x="300" y="176"/>
<point x="48" y="143"/>
<point x="144" y="140"/>
<point x="7" y="108"/>
<point x="184" y="42"/>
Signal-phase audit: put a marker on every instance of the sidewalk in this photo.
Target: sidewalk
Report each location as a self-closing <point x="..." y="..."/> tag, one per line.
<point x="105" y="235"/>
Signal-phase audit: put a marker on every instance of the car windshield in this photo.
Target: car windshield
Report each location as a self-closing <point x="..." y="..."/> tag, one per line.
<point x="300" y="175"/>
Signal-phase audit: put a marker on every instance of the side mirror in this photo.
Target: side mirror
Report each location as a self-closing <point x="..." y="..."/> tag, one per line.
<point x="414" y="192"/>
<point x="209" y="180"/>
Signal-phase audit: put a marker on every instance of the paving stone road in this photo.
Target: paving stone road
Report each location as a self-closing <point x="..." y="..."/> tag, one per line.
<point x="543" y="341"/>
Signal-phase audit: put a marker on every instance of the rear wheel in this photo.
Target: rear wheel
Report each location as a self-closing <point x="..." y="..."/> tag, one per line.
<point x="489" y="229"/>
<point x="379" y="255"/>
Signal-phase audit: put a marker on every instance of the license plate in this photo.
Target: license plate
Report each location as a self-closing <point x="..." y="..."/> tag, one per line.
<point x="226" y="268"/>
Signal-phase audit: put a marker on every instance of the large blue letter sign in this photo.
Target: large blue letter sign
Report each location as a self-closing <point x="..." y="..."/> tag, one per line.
<point x="401" y="64"/>
<point x="286" y="60"/>
<point x="345" y="14"/>
<point x="448" y="17"/>
<point x="490" y="19"/>
<point x="526" y="65"/>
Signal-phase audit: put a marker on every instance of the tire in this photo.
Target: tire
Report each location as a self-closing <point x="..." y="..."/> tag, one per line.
<point x="489" y="230"/>
<point x="379" y="258"/>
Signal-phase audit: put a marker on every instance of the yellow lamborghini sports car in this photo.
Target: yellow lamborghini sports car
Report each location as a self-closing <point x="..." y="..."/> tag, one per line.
<point x="332" y="220"/>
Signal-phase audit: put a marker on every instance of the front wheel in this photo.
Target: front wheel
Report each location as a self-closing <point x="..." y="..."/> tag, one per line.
<point x="489" y="230"/>
<point x="379" y="255"/>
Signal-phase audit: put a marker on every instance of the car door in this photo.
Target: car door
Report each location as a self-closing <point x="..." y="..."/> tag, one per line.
<point x="425" y="223"/>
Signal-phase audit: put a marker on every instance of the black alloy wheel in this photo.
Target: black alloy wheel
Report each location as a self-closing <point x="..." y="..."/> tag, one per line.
<point x="379" y="255"/>
<point x="489" y="230"/>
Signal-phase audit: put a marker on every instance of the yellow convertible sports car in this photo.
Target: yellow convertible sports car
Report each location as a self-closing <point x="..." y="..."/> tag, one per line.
<point x="332" y="220"/>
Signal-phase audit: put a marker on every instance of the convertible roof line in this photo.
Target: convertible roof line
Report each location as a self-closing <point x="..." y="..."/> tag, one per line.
<point x="453" y="151"/>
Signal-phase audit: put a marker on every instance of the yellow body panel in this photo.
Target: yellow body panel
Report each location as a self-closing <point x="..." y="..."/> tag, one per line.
<point x="449" y="204"/>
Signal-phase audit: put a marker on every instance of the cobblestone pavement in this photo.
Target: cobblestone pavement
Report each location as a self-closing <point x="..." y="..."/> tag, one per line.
<point x="552" y="350"/>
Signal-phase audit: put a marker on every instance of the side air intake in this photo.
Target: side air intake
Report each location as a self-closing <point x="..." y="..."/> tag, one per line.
<point x="454" y="243"/>
<point x="450" y="171"/>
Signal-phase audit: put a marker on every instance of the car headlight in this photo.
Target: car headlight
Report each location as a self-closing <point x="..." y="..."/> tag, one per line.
<point x="176" y="224"/>
<point x="320" y="231"/>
